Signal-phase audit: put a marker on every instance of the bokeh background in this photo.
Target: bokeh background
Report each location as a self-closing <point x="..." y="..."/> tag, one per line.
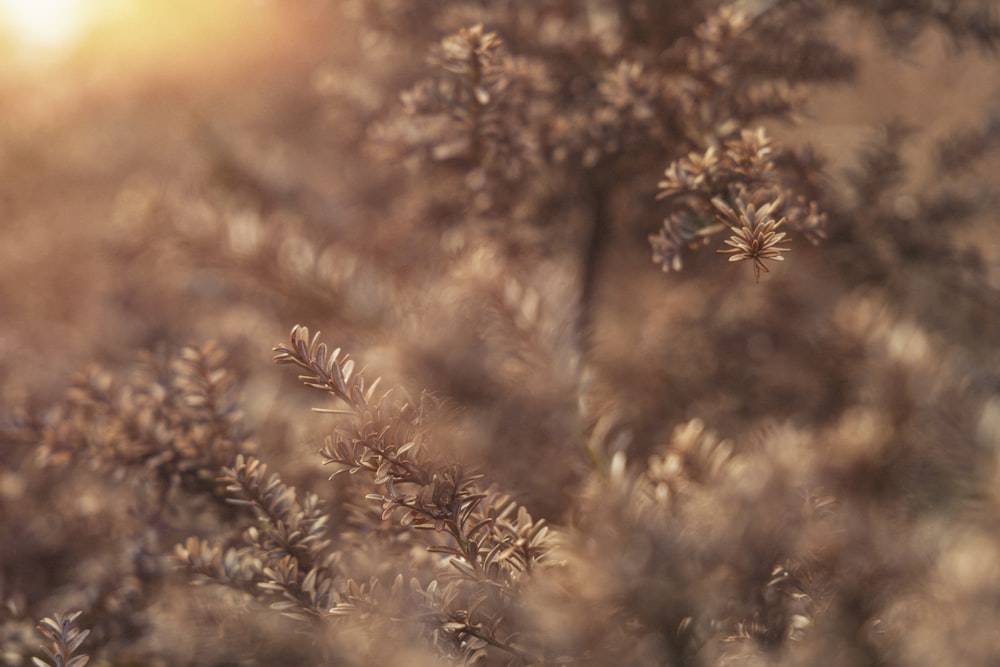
<point x="175" y="172"/>
<point x="179" y="171"/>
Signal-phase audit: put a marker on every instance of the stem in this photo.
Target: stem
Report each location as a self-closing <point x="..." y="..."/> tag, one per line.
<point x="597" y="237"/>
<point x="525" y="657"/>
<point x="476" y="110"/>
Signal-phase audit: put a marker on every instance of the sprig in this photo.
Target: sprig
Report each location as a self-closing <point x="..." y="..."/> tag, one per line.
<point x="64" y="640"/>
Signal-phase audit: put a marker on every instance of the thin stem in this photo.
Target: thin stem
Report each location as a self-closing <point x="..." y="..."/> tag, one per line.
<point x="597" y="238"/>
<point x="492" y="641"/>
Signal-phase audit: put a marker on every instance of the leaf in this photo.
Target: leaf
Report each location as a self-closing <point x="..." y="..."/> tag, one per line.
<point x="74" y="643"/>
<point x="295" y="616"/>
<point x="320" y="356"/>
<point x="464" y="568"/>
<point x="333" y="411"/>
<point x="284" y="605"/>
<point x="442" y="549"/>
<point x="371" y="390"/>
<point x="309" y="583"/>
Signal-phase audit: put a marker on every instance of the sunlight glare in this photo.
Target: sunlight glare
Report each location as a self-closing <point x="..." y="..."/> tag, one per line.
<point x="43" y="23"/>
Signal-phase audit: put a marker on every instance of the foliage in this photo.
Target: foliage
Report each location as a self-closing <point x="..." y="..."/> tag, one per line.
<point x="570" y="457"/>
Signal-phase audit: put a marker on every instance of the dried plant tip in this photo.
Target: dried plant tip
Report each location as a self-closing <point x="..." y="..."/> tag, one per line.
<point x="694" y="174"/>
<point x="467" y="51"/>
<point x="65" y="638"/>
<point x="755" y="235"/>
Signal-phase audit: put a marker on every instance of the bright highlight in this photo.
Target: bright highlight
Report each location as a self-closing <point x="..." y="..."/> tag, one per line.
<point x="43" y="23"/>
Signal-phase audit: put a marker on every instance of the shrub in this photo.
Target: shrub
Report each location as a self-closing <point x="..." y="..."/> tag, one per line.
<point x="574" y="457"/>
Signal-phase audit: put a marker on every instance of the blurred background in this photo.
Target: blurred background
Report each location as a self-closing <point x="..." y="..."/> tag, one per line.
<point x="175" y="171"/>
<point x="178" y="171"/>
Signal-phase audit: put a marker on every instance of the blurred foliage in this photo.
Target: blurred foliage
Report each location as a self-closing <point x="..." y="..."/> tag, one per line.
<point x="572" y="457"/>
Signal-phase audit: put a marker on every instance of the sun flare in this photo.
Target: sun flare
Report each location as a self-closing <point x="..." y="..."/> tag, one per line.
<point x="43" y="23"/>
